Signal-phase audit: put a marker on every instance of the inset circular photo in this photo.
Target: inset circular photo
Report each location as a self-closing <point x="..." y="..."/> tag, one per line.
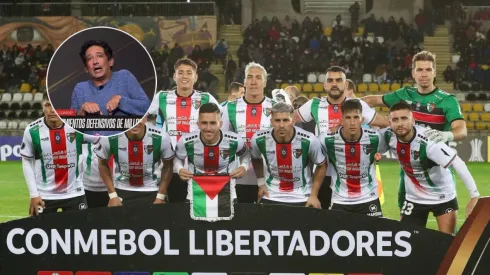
<point x="101" y="81"/>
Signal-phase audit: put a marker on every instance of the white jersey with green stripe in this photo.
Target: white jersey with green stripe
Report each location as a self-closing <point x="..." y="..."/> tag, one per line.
<point x="288" y="165"/>
<point x="56" y="153"/>
<point x="138" y="162"/>
<point x="90" y="175"/>
<point x="220" y="158"/>
<point x="353" y="164"/>
<point x="178" y="115"/>
<point x="427" y="177"/>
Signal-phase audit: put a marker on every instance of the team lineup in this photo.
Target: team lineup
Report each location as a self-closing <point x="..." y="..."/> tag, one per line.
<point x="266" y="148"/>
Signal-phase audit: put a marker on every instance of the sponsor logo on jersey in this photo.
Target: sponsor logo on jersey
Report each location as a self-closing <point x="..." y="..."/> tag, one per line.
<point x="373" y="208"/>
<point x="224" y="153"/>
<point x="449" y="210"/>
<point x="431" y="106"/>
<point x="57" y="137"/>
<point x="82" y="206"/>
<point x="284" y="152"/>
<point x="45" y="139"/>
<point x="352" y="150"/>
<point x="415" y="154"/>
<point x="71" y="137"/>
<point x="196" y="103"/>
<point x="271" y="152"/>
<point x="267" y="111"/>
<point x="253" y="112"/>
<point x="367" y="149"/>
<point x="441" y="197"/>
<point x="120" y="148"/>
<point x="211" y="154"/>
<point x="59" y="166"/>
<point x="417" y="106"/>
<point x="297" y="153"/>
<point x="338" y="149"/>
<point x="135" y="149"/>
<point x="148" y="149"/>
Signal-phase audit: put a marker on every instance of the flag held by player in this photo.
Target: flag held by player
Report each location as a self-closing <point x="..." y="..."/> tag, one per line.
<point x="211" y="198"/>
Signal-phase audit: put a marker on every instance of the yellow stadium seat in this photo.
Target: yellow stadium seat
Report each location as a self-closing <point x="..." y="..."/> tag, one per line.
<point x="373" y="87"/>
<point x="311" y="95"/>
<point x="284" y="85"/>
<point x="360" y="30"/>
<point x="377" y="109"/>
<point x="485" y="117"/>
<point x="298" y="86"/>
<point x="385" y="109"/>
<point x="477" y="107"/>
<point x="327" y="31"/>
<point x="362" y="88"/>
<point x="407" y="84"/>
<point x="359" y="95"/>
<point x="474" y="117"/>
<point x="470" y="125"/>
<point x="385" y="87"/>
<point x="465" y="116"/>
<point x="481" y="126"/>
<point x="25" y="88"/>
<point x="395" y="86"/>
<point x="466" y="107"/>
<point x="303" y="94"/>
<point x="278" y="86"/>
<point x="318" y="87"/>
<point x="307" y="88"/>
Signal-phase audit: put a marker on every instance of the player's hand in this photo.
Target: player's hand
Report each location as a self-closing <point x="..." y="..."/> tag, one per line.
<point x="334" y="128"/>
<point x="438" y="136"/>
<point x="262" y="193"/>
<point x="36" y="206"/>
<point x="91" y="108"/>
<point x="159" y="201"/>
<point x="238" y="173"/>
<point x="377" y="156"/>
<point x="113" y="103"/>
<point x="471" y="204"/>
<point x="185" y="174"/>
<point x="313" y="201"/>
<point x="115" y="202"/>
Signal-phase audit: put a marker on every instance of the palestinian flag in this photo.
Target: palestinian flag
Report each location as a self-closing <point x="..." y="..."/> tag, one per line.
<point x="211" y="198"/>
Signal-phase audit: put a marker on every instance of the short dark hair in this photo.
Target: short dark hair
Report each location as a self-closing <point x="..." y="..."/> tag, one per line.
<point x="45" y="97"/>
<point x="424" y="56"/>
<point x="209" y="108"/>
<point x="282" y="107"/>
<point x="336" y="69"/>
<point x="351" y="85"/>
<point x="100" y="43"/>
<point x="185" y="61"/>
<point x="234" y="86"/>
<point x="351" y="105"/>
<point x="402" y="105"/>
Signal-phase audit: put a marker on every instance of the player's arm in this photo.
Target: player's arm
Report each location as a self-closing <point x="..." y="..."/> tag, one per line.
<point x="136" y="103"/>
<point x="225" y="118"/>
<point x="168" y="155"/>
<point x="383" y="145"/>
<point x="373" y="100"/>
<point x="180" y="156"/>
<point x="372" y="118"/>
<point x="244" y="159"/>
<point x="303" y="114"/>
<point x="103" y="153"/>
<point x="28" y="166"/>
<point x="318" y="157"/>
<point x="258" y="165"/>
<point x="458" y="126"/>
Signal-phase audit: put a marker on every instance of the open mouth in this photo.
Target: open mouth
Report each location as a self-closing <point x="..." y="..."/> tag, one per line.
<point x="97" y="69"/>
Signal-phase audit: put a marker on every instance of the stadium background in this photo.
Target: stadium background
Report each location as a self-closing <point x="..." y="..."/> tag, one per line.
<point x="294" y="54"/>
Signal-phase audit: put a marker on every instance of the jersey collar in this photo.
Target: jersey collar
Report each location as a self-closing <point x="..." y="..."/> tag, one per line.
<point x="185" y="96"/>
<point x="410" y="141"/>
<point x="126" y="133"/>
<point x="345" y="98"/>
<point x="244" y="100"/>
<point x="45" y="123"/>
<point x="433" y="91"/>
<point x="346" y="141"/>
<point x="214" y="145"/>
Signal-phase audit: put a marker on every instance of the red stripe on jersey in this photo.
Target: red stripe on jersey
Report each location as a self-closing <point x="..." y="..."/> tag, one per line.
<point x="352" y="166"/>
<point x="254" y="117"/>
<point x="60" y="160"/>
<point x="135" y="162"/>
<point x="184" y="107"/>
<point x="430" y="118"/>
<point x="284" y="159"/>
<point x="334" y="115"/>
<point x="211" y="159"/>
<point x="403" y="151"/>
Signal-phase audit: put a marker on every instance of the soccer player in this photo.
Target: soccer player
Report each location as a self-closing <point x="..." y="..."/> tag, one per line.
<point x="50" y="153"/>
<point x="138" y="154"/>
<point x="293" y="93"/>
<point x="351" y="153"/>
<point x="350" y="89"/>
<point x="429" y="184"/>
<point x="325" y="111"/>
<point x="431" y="106"/>
<point x="211" y="150"/>
<point x="246" y="116"/>
<point x="289" y="152"/>
<point x="177" y="112"/>
<point x="235" y="90"/>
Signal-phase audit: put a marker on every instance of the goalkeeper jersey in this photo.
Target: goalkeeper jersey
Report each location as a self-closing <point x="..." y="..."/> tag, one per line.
<point x="288" y="165"/>
<point x="354" y="171"/>
<point x="427" y="177"/>
<point x="138" y="162"/>
<point x="56" y="153"/>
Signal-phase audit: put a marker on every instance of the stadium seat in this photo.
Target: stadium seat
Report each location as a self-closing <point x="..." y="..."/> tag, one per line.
<point x="367" y="78"/>
<point x="360" y="30"/>
<point x="377" y="109"/>
<point x="407" y="84"/>
<point x="23" y="115"/>
<point x="373" y="87"/>
<point x="327" y="31"/>
<point x="460" y="96"/>
<point x="466" y="116"/>
<point x="27" y="97"/>
<point x="482" y="97"/>
<point x="23" y="124"/>
<point x="298" y="86"/>
<point x="12" y="115"/>
<point x="359" y="95"/>
<point x="3" y="124"/>
<point x="318" y="87"/>
<point x="2" y="115"/>
<point x="322" y="78"/>
<point x="35" y="115"/>
<point x="385" y="87"/>
<point x="473" y="117"/>
<point x="481" y="125"/>
<point x="5" y="101"/>
<point x="312" y="95"/>
<point x="307" y="88"/>
<point x="485" y="117"/>
<point x="455" y="58"/>
<point x="38" y="97"/>
<point x="362" y="88"/>
<point x="466" y="107"/>
<point x="25" y="88"/>
<point x="284" y="85"/>
<point x="385" y="109"/>
<point x="25" y="106"/>
<point x="478" y="107"/>
<point x="395" y="86"/>
<point x="37" y="105"/>
<point x="471" y="97"/>
<point x="13" y="125"/>
<point x="487" y="107"/>
<point x="470" y="125"/>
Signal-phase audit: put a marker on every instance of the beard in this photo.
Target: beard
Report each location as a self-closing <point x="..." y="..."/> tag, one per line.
<point x="335" y="96"/>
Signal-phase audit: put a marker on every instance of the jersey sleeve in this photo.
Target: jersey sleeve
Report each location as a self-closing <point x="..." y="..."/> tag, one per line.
<point x="254" y="149"/>
<point x="368" y="113"/>
<point x="391" y="98"/>
<point x="226" y="119"/>
<point x="241" y="148"/>
<point x="167" y="150"/>
<point x="316" y="152"/>
<point x="103" y="150"/>
<point x="180" y="151"/>
<point x="213" y="100"/>
<point x="440" y="153"/>
<point x="383" y="143"/>
<point x="305" y="111"/>
<point x="27" y="148"/>
<point x="452" y="110"/>
<point x="154" y="106"/>
<point x="91" y="139"/>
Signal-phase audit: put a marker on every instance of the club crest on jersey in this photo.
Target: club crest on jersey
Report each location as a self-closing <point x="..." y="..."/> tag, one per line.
<point x="402" y="151"/>
<point x="297" y="153"/>
<point x="135" y="149"/>
<point x="253" y="112"/>
<point x="196" y="103"/>
<point x="71" y="136"/>
<point x="211" y="154"/>
<point x="148" y="149"/>
<point x="367" y="149"/>
<point x="183" y="103"/>
<point x="415" y="154"/>
<point x="224" y="153"/>
<point x="417" y="106"/>
<point x="57" y="137"/>
<point x="267" y="111"/>
<point x="284" y="152"/>
<point x="352" y="150"/>
<point x="335" y="108"/>
<point x="431" y="107"/>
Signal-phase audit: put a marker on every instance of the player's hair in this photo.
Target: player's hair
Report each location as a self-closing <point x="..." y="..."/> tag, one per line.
<point x="209" y="108"/>
<point x="424" y="56"/>
<point x="351" y="105"/>
<point x="100" y="43"/>
<point x="402" y="105"/>
<point x="351" y="85"/>
<point x="336" y="69"/>
<point x="295" y="90"/>
<point x="45" y="97"/>
<point x="185" y="61"/>
<point x="252" y="65"/>
<point x="234" y="86"/>
<point x="282" y="107"/>
<point x="299" y="101"/>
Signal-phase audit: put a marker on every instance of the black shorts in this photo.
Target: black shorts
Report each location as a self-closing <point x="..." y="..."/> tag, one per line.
<point x="130" y="198"/>
<point x="325" y="193"/>
<point x="266" y="201"/>
<point x="246" y="193"/>
<point x="97" y="199"/>
<point x="66" y="205"/>
<point x="177" y="189"/>
<point x="416" y="213"/>
<point x="370" y="208"/>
